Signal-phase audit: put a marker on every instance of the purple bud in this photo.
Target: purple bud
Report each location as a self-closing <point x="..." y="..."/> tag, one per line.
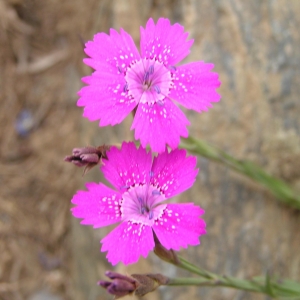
<point x="104" y="284"/>
<point x="84" y="150"/>
<point x="139" y="284"/>
<point x="120" y="285"/>
<point x="90" y="158"/>
<point x="75" y="161"/>
<point x="87" y="157"/>
<point x="120" y="288"/>
<point x="115" y="275"/>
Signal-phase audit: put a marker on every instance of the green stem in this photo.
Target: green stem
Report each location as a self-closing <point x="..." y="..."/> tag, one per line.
<point x="277" y="187"/>
<point x="184" y="264"/>
<point x="222" y="282"/>
<point x="275" y="288"/>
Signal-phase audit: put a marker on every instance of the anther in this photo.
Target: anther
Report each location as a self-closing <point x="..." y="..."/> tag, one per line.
<point x="160" y="103"/>
<point x="143" y="210"/>
<point x="155" y="192"/>
<point x="172" y="68"/>
<point x="125" y="88"/>
<point x="146" y="76"/>
<point x="120" y="69"/>
<point x="151" y="69"/>
<point x="151" y="174"/>
<point x="140" y="199"/>
<point x="150" y="215"/>
<point x="157" y="89"/>
<point x="124" y="187"/>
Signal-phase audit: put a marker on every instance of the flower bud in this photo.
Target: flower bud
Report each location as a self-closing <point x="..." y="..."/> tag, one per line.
<point x="148" y="283"/>
<point x="120" y="285"/>
<point x="87" y="157"/>
<point x="139" y="284"/>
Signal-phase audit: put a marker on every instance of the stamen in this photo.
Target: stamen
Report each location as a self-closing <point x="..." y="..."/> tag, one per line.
<point x="141" y="202"/>
<point x="172" y="68"/>
<point x="151" y="69"/>
<point x="120" y="69"/>
<point x="160" y="103"/>
<point x="155" y="192"/>
<point x="125" y="88"/>
<point x="151" y="174"/>
<point x="146" y="76"/>
<point x="124" y="187"/>
<point x="157" y="89"/>
<point x="150" y="215"/>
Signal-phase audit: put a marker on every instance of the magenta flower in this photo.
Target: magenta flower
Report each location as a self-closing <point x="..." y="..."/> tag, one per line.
<point x="124" y="80"/>
<point x="141" y="188"/>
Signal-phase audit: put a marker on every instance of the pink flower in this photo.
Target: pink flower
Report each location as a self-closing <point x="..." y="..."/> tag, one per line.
<point x="124" y="80"/>
<point x="138" y="201"/>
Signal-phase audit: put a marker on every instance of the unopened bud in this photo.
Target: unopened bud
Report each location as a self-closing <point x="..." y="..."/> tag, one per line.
<point x="120" y="285"/>
<point x="87" y="157"/>
<point x="148" y="283"/>
<point x="139" y="284"/>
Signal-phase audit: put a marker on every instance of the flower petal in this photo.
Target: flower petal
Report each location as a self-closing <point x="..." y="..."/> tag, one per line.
<point x="173" y="172"/>
<point x="99" y="206"/>
<point x="127" y="243"/>
<point x="195" y="86"/>
<point x="180" y="226"/>
<point x="105" y="99"/>
<point x="164" y="42"/>
<point x="159" y="125"/>
<point x="114" y="50"/>
<point x="127" y="166"/>
<point x="106" y="96"/>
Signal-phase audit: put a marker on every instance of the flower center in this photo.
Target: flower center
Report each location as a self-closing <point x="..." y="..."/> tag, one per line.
<point x="148" y="81"/>
<point x="140" y="204"/>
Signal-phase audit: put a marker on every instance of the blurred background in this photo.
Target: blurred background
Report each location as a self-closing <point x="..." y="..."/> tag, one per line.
<point x="44" y="253"/>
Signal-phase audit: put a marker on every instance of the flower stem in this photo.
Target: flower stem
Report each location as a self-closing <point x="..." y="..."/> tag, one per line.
<point x="277" y="187"/>
<point x="184" y="264"/>
<point x="265" y="284"/>
<point x="241" y="284"/>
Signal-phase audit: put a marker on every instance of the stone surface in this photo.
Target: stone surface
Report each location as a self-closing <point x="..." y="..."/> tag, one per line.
<point x="44" y="295"/>
<point x="254" y="46"/>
